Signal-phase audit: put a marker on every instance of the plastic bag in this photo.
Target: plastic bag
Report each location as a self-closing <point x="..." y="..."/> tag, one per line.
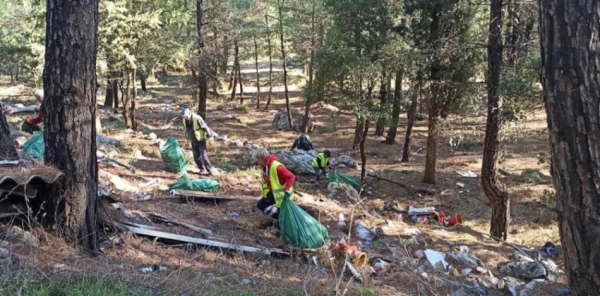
<point x="335" y="177"/>
<point x="300" y="229"/>
<point x="35" y="145"/>
<point x="172" y="156"/>
<point x="185" y="183"/>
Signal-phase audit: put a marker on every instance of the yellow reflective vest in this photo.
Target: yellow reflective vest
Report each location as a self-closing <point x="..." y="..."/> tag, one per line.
<point x="321" y="156"/>
<point x="264" y="187"/>
<point x="198" y="132"/>
<point x="276" y="187"/>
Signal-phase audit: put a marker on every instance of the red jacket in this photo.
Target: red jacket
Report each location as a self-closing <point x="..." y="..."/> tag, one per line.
<point x="286" y="178"/>
<point x="39" y="118"/>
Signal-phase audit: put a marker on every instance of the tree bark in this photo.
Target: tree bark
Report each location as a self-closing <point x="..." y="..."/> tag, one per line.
<point x="433" y="131"/>
<point x="411" y="118"/>
<point x="380" y="125"/>
<point x="308" y="100"/>
<point x="127" y="101"/>
<point x="257" y="74"/>
<point x="117" y="80"/>
<point x="358" y="131"/>
<point x="8" y="151"/>
<point x="132" y="103"/>
<point x="225" y="57"/>
<point x="489" y="179"/>
<point x="143" y="82"/>
<point x="235" y="70"/>
<point x="283" y="57"/>
<point x="109" y="97"/>
<point x="570" y="66"/>
<point x="398" y="99"/>
<point x="363" y="155"/>
<point x="239" y="73"/>
<point x="202" y="66"/>
<point x="69" y="108"/>
<point x="270" y="63"/>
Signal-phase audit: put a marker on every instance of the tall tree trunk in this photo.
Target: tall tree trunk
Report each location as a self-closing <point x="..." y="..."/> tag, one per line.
<point x="202" y="66"/>
<point x="8" y="151"/>
<point x="363" y="155"/>
<point x="117" y="79"/>
<point x="283" y="57"/>
<point x="69" y="109"/>
<point x="232" y="77"/>
<point x="270" y="63"/>
<point x="143" y="82"/>
<point x="570" y="55"/>
<point x="308" y="100"/>
<point x="235" y="69"/>
<point x="380" y="125"/>
<point x="132" y="103"/>
<point x="358" y="131"/>
<point x="108" y="99"/>
<point x="240" y="82"/>
<point x="411" y="117"/>
<point x="127" y="100"/>
<point x="489" y="179"/>
<point x="225" y="57"/>
<point x="433" y="131"/>
<point x="398" y="99"/>
<point x="257" y="74"/>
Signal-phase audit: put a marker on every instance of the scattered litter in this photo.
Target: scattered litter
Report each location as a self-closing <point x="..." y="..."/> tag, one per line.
<point x="147" y="183"/>
<point x="247" y="281"/>
<point x="341" y="221"/>
<point x="461" y="185"/>
<point x="564" y="291"/>
<point x="549" y="250"/>
<point x="420" y="211"/>
<point x="468" y="174"/>
<point x="450" y="220"/>
<point x="185" y="183"/>
<point x="235" y="214"/>
<point x="437" y="259"/>
<point x="523" y="269"/>
<point x="321" y="272"/>
<point x="360" y="230"/>
<point x="127" y="213"/>
<point x="152" y="268"/>
<point x="380" y="265"/>
<point x="162" y="218"/>
<point x="152" y="136"/>
<point x="142" y="196"/>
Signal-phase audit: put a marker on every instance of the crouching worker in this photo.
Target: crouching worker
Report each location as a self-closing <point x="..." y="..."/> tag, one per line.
<point x="303" y="142"/>
<point x="277" y="183"/>
<point x="321" y="163"/>
<point x="31" y="124"/>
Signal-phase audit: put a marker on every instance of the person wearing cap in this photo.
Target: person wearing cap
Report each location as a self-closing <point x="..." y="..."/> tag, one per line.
<point x="197" y="132"/>
<point x="31" y="124"/>
<point x="320" y="163"/>
<point x="277" y="183"/>
<point x="303" y="142"/>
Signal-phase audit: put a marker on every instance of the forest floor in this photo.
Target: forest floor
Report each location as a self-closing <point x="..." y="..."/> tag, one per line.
<point x="198" y="271"/>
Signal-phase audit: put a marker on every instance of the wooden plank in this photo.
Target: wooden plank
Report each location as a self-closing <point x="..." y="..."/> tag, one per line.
<point x="204" y="231"/>
<point x="208" y="243"/>
<point x="200" y="195"/>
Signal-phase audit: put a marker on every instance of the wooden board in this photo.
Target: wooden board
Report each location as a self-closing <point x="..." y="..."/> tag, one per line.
<point x="207" y="243"/>
<point x="200" y="195"/>
<point x="204" y="231"/>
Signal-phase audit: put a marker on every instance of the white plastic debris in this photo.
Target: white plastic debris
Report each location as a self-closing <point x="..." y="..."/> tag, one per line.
<point x="467" y="174"/>
<point x="341" y="221"/>
<point x="420" y="211"/>
<point x="437" y="259"/>
<point x="461" y="185"/>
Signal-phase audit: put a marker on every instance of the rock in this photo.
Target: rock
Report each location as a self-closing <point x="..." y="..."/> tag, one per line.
<point x="280" y="120"/>
<point x="152" y="136"/>
<point x="4" y="244"/>
<point x="29" y="238"/>
<point x="247" y="281"/>
<point x="342" y="190"/>
<point x="343" y="161"/>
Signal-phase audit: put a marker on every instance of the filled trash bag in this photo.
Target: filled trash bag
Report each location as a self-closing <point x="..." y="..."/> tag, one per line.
<point x="335" y="177"/>
<point x="300" y="229"/>
<point x="185" y="183"/>
<point x="35" y="146"/>
<point x="172" y="156"/>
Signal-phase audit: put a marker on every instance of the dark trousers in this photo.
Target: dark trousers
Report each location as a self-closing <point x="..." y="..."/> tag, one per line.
<point x="30" y="128"/>
<point x="201" y="156"/>
<point x="264" y="204"/>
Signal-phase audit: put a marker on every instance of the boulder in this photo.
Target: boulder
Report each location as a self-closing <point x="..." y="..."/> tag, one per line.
<point x="297" y="161"/>
<point x="343" y="161"/>
<point x="340" y="190"/>
<point x="280" y="120"/>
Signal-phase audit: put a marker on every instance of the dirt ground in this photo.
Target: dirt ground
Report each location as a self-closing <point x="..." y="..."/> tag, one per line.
<point x="193" y="270"/>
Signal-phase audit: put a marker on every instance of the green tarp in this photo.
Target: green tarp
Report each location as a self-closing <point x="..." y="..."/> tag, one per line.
<point x="35" y="145"/>
<point x="172" y="156"/>
<point x="185" y="183"/>
<point x="300" y="229"/>
<point x="335" y="177"/>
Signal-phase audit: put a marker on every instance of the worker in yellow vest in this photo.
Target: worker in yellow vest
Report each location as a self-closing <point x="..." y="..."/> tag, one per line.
<point x="197" y="132"/>
<point x="321" y="163"/>
<point x="277" y="183"/>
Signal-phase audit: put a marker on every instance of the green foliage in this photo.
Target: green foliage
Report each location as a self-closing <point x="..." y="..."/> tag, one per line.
<point x="87" y="287"/>
<point x="518" y="88"/>
<point x="530" y="176"/>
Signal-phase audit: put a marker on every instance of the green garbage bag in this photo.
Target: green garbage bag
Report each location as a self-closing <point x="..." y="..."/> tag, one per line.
<point x="185" y="183"/>
<point x="35" y="145"/>
<point x="172" y="156"/>
<point x="335" y="177"/>
<point x="300" y="229"/>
